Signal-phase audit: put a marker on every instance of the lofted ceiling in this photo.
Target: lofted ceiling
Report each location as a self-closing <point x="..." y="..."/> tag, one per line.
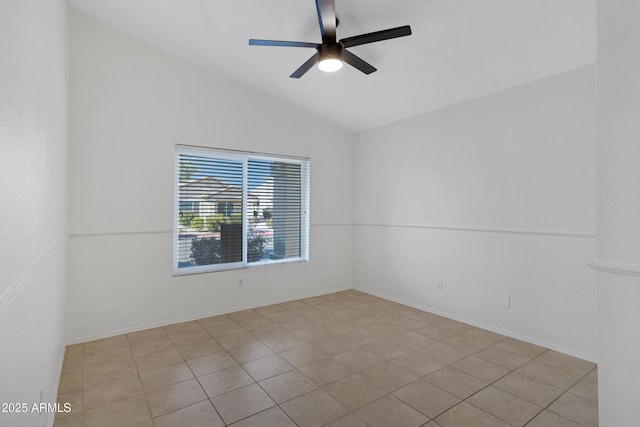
<point x="459" y="50"/>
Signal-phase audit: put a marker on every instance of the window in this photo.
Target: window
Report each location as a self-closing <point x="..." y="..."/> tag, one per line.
<point x="186" y="206"/>
<point x="235" y="209"/>
<point x="225" y="208"/>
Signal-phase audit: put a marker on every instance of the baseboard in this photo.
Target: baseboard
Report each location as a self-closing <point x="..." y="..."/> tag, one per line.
<point x="199" y="316"/>
<point x="52" y="415"/>
<point x="505" y="332"/>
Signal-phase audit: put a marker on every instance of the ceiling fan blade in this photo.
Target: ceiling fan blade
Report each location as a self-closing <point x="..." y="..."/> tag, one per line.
<point x="258" y="42"/>
<point x="376" y="36"/>
<point x="305" y="67"/>
<point x="357" y="62"/>
<point x="327" y="18"/>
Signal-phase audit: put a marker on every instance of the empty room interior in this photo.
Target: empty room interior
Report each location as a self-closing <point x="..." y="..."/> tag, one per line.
<point x="443" y="232"/>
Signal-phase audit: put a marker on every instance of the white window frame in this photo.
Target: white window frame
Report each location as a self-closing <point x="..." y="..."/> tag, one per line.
<point x="244" y="157"/>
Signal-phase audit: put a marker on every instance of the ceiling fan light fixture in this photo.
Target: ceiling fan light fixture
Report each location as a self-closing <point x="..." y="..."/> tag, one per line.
<point x="330" y="65"/>
<point x="330" y="57"/>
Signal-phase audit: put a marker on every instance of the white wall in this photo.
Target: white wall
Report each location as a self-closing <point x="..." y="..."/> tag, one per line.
<point x="33" y="201"/>
<point x="493" y="196"/>
<point x="130" y="103"/>
<point x="618" y="157"/>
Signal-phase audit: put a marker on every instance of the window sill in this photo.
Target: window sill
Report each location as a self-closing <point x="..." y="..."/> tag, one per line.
<point x="189" y="271"/>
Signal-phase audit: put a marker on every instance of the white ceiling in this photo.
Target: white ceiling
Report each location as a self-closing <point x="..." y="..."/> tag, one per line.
<point x="459" y="50"/>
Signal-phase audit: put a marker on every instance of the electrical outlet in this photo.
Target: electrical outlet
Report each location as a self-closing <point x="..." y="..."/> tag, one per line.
<point x="440" y="287"/>
<point x="241" y="283"/>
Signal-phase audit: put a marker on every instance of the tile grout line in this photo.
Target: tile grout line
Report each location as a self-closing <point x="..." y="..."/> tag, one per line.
<point x="196" y="377"/>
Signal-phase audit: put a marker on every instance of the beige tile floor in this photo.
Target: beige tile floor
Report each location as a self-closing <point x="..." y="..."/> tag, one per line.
<point x="343" y="359"/>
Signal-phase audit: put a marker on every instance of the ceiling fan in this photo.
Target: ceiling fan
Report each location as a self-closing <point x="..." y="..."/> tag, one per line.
<point x="331" y="53"/>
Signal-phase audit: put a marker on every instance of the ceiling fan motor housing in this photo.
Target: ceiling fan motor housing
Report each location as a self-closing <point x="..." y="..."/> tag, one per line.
<point x="330" y="50"/>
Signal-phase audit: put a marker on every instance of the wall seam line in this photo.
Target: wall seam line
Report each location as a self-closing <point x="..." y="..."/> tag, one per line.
<point x="607" y="267"/>
<point x="128" y="233"/>
<point x="483" y="230"/>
